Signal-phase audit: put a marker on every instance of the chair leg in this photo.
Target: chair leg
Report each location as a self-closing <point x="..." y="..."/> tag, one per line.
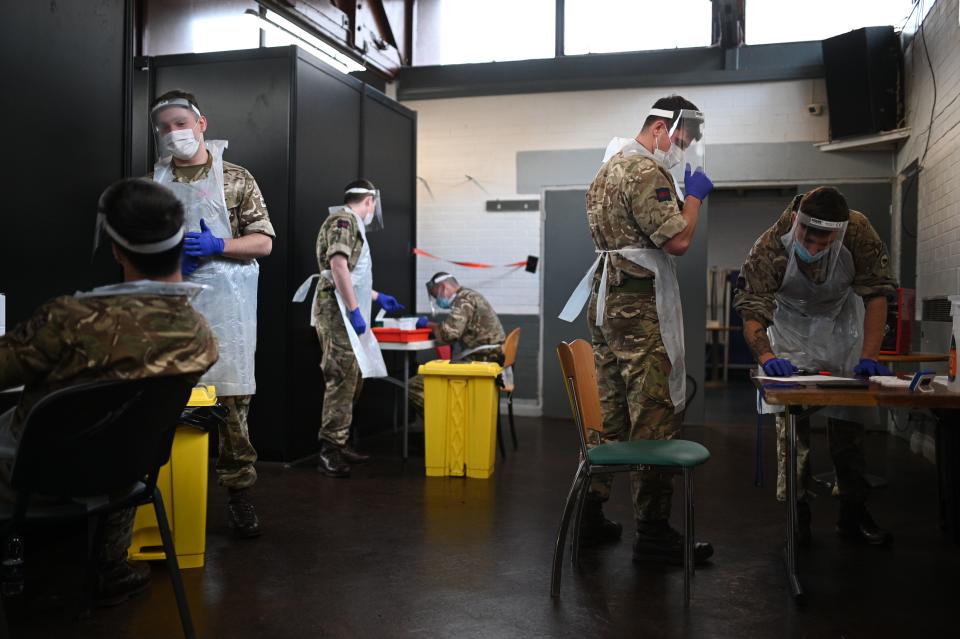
<point x="578" y="521"/>
<point x="578" y="478"/>
<point x="503" y="449"/>
<point x="688" y="534"/>
<point x="513" y="429"/>
<point x="93" y="561"/>
<point x="172" y="566"/>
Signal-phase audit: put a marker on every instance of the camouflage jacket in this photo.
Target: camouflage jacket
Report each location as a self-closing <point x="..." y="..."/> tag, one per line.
<point x="471" y="322"/>
<point x="71" y="340"/>
<point x="245" y="204"/>
<point x="762" y="273"/>
<point x="632" y="202"/>
<point x="339" y="233"/>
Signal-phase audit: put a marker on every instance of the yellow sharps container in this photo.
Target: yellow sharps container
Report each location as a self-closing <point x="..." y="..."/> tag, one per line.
<point x="183" y="484"/>
<point x="460" y="418"/>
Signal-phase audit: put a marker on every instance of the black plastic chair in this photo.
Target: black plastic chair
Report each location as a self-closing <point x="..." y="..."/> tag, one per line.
<point x="94" y="448"/>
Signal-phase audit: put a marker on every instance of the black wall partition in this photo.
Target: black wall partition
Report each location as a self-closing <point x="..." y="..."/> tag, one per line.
<point x="303" y="130"/>
<point x="63" y="126"/>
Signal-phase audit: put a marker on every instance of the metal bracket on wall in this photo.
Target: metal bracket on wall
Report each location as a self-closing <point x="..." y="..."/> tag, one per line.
<point x="498" y="206"/>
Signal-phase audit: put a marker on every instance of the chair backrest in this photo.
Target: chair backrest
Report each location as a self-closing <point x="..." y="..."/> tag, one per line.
<point x="510" y="347"/>
<point x="580" y="379"/>
<point x="98" y="438"/>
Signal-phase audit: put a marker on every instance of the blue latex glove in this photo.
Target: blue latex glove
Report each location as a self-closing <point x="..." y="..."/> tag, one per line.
<point x="188" y="264"/>
<point x="696" y="184"/>
<point x="389" y="303"/>
<point x="778" y="367"/>
<point x="870" y="367"/>
<point x="422" y="321"/>
<point x="202" y="244"/>
<point x="356" y="320"/>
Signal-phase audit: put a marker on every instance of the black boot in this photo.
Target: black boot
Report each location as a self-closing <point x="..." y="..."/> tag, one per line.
<point x="855" y="524"/>
<point x="241" y="514"/>
<point x="332" y="463"/>
<point x="595" y="528"/>
<point x="656" y="541"/>
<point x="353" y="457"/>
<point x="119" y="581"/>
<point x="804" y="534"/>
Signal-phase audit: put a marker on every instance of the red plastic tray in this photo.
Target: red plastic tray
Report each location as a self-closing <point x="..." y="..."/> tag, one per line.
<point x="400" y="335"/>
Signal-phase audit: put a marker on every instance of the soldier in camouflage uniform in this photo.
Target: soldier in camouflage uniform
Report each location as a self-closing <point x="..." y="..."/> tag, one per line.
<point x="340" y="247"/>
<point x="251" y="237"/>
<point x="112" y="335"/>
<point x="761" y="277"/>
<point x="633" y="203"/>
<point x="472" y="324"/>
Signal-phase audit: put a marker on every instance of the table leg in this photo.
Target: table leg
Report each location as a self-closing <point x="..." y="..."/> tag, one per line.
<point x="406" y="400"/>
<point x="791" y="548"/>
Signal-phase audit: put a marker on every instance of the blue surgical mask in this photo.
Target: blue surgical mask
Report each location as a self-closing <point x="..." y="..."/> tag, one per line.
<point x="443" y="302"/>
<point x="805" y="255"/>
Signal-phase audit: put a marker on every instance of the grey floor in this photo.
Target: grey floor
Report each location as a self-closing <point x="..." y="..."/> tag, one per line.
<point x="390" y="553"/>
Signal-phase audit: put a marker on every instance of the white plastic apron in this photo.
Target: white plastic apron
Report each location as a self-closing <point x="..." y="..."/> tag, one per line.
<point x="820" y="326"/>
<point x="669" y="313"/>
<point x="229" y="302"/>
<point x="365" y="347"/>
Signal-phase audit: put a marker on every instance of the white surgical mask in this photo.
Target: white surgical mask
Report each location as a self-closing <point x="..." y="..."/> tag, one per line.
<point x="368" y="218"/>
<point x="668" y="159"/>
<point x="181" y="143"/>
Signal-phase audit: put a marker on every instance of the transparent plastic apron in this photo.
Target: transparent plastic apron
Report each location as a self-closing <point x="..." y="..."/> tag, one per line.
<point x="820" y="326"/>
<point x="669" y="313"/>
<point x="144" y="287"/>
<point x="229" y="301"/>
<point x="365" y="347"/>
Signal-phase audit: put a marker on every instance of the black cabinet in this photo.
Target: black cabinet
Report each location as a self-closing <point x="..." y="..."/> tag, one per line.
<point x="303" y="130"/>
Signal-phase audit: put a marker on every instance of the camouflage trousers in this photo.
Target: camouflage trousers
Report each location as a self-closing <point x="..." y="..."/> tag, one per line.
<point x="237" y="455"/>
<point x="845" y="440"/>
<point x="341" y="373"/>
<point x="415" y="385"/>
<point x="632" y="378"/>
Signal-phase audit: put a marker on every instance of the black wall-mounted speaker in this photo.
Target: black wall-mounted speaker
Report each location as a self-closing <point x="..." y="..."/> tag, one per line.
<point x="864" y="87"/>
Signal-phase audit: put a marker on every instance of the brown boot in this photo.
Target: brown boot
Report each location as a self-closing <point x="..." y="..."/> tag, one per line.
<point x="332" y="463"/>
<point x="353" y="457"/>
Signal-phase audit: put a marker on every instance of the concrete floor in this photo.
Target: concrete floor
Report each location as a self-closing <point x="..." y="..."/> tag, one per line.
<point x="389" y="553"/>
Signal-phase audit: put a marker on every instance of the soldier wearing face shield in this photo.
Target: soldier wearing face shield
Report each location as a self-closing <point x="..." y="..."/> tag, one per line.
<point x="341" y="315"/>
<point x="642" y="210"/>
<point x="813" y="296"/>
<point x="228" y="230"/>
<point x="471" y="323"/>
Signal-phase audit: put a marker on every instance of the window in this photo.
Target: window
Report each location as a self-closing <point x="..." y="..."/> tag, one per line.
<point x="776" y="21"/>
<point x="495" y="30"/>
<point x="603" y="26"/>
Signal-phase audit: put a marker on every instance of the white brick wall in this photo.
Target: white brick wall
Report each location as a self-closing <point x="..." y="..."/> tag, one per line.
<point x="938" y="219"/>
<point x="481" y="137"/>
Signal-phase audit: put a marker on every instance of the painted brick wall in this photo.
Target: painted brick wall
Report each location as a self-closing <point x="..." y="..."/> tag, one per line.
<point x="938" y="218"/>
<point x="480" y="137"/>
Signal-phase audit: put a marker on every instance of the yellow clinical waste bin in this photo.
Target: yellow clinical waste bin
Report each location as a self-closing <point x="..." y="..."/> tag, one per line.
<point x="460" y="417"/>
<point x="183" y="484"/>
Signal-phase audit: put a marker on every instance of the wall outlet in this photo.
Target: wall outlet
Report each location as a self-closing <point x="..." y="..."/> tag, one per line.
<point x="816" y="108"/>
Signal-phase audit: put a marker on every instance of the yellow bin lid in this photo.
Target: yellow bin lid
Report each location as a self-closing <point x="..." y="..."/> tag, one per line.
<point x="447" y="368"/>
<point x="203" y="396"/>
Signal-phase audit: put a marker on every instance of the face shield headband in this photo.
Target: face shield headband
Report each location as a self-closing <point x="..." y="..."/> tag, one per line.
<point x="374" y="222"/>
<point x="146" y="248"/>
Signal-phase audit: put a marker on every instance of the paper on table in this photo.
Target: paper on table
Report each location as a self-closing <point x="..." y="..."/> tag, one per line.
<point x="380" y="315"/>
<point x="806" y="379"/>
<point x="890" y="381"/>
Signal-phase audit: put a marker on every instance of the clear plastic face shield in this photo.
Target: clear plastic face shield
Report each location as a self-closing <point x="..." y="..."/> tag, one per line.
<point x="816" y="245"/>
<point x="374" y="219"/>
<point x="682" y="144"/>
<point x="434" y="285"/>
<point x="176" y="128"/>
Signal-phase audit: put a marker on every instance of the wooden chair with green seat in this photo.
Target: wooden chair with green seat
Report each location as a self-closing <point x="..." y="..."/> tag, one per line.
<point x="668" y="455"/>
<point x="510" y="346"/>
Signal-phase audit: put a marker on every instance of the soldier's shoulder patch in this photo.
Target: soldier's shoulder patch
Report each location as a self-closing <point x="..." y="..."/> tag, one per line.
<point x="343" y="224"/>
<point x="662" y="194"/>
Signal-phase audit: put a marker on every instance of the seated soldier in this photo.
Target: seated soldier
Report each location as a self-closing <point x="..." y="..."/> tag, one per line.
<point x="471" y="324"/>
<point x="73" y="339"/>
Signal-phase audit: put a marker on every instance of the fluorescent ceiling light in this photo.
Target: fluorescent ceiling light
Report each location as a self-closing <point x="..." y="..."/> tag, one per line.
<point x="281" y="31"/>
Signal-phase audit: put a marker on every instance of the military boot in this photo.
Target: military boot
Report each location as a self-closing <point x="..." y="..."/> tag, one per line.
<point x="241" y="514"/>
<point x="121" y="580"/>
<point x="804" y="534"/>
<point x="332" y="463"/>
<point x="353" y="457"/>
<point x="595" y="528"/>
<point x="656" y="541"/>
<point x="855" y="524"/>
